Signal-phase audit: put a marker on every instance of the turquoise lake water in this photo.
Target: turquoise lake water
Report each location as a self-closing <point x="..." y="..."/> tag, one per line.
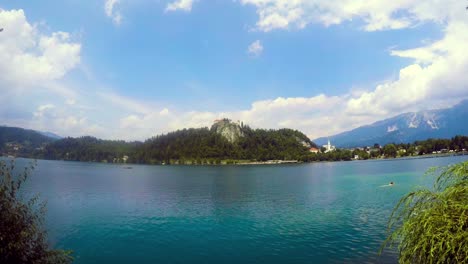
<point x="308" y="213"/>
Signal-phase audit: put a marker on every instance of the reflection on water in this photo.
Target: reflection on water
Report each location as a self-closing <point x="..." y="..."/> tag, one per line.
<point x="320" y="213"/>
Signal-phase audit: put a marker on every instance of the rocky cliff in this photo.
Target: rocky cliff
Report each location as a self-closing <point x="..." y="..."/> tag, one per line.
<point x="232" y="131"/>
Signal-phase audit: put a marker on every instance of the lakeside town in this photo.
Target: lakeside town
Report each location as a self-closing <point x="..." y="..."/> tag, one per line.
<point x="391" y="151"/>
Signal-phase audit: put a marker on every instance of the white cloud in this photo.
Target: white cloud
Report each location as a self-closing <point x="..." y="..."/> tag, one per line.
<point x="310" y="115"/>
<point x="437" y="74"/>
<point x="375" y="14"/>
<point x="33" y="65"/>
<point x="61" y="119"/>
<point x="28" y="57"/>
<point x="184" y="5"/>
<point x="70" y="101"/>
<point x="43" y="109"/>
<point x="110" y="10"/>
<point x="164" y="112"/>
<point x="255" y="49"/>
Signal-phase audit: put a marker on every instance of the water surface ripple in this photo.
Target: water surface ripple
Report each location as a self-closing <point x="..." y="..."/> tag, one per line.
<point x="310" y="213"/>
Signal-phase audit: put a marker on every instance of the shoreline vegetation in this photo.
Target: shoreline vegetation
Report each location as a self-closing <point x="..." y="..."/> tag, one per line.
<point x="268" y="162"/>
<point x="23" y="237"/>
<point x="223" y="162"/>
<point x="429" y="225"/>
<point x="241" y="162"/>
<point x="225" y="143"/>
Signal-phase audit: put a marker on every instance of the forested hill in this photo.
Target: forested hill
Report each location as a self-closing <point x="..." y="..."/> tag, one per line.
<point x="225" y="140"/>
<point x="21" y="142"/>
<point x="89" y="149"/>
<point x="205" y="145"/>
<point x="187" y="146"/>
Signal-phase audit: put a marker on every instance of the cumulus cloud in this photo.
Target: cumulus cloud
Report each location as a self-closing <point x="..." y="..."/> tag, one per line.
<point x="184" y="5"/>
<point x="32" y="62"/>
<point x="33" y="65"/>
<point x="164" y="112"/>
<point x="64" y="121"/>
<point x="42" y="109"/>
<point x="112" y="12"/>
<point x="376" y="15"/>
<point x="437" y="74"/>
<point x="70" y="101"/>
<point x="29" y="57"/>
<point x="61" y="119"/>
<point x="255" y="49"/>
<point x="308" y="114"/>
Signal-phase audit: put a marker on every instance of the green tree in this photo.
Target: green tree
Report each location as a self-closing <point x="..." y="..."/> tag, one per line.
<point x="431" y="226"/>
<point x="411" y="151"/>
<point x="390" y="150"/>
<point x="22" y="237"/>
<point x="375" y="153"/>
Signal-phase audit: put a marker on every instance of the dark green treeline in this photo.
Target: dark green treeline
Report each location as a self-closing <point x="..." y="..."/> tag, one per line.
<point x="205" y="146"/>
<point x="187" y="146"/>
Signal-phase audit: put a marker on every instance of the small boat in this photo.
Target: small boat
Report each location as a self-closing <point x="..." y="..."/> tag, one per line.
<point x="128" y="168"/>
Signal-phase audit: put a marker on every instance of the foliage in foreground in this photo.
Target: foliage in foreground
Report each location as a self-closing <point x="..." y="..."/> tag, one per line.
<point x="22" y="237"/>
<point x="431" y="226"/>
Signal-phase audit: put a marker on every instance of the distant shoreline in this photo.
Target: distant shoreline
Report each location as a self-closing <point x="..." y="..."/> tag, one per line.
<point x="268" y="162"/>
<point x="425" y="156"/>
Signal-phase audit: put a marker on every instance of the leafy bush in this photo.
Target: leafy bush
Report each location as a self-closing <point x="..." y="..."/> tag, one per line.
<point x="431" y="226"/>
<point x="22" y="237"/>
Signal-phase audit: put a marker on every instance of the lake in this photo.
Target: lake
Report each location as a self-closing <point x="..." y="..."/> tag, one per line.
<point x="306" y="213"/>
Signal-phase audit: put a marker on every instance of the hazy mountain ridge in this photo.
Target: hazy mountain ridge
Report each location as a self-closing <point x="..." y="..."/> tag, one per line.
<point x="22" y="142"/>
<point x="406" y="128"/>
<point x="21" y="135"/>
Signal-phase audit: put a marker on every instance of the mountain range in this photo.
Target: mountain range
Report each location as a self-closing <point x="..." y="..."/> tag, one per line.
<point x="406" y="128"/>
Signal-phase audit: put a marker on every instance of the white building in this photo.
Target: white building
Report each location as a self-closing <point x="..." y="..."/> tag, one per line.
<point x="328" y="147"/>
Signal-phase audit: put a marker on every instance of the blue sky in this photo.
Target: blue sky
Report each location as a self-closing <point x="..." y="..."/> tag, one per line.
<point x="133" y="69"/>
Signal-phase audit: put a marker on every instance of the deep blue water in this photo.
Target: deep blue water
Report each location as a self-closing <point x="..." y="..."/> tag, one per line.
<point x="309" y="213"/>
